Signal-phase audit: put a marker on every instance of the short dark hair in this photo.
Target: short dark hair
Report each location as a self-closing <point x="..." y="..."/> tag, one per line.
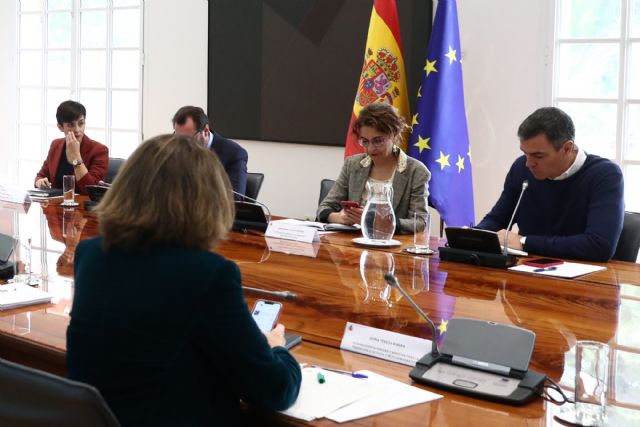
<point x="554" y="123"/>
<point x="197" y="114"/>
<point x="69" y="111"/>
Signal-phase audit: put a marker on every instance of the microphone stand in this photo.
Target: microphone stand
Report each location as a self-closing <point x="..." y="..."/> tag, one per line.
<point x="282" y="294"/>
<point x="391" y="280"/>
<point x="505" y="250"/>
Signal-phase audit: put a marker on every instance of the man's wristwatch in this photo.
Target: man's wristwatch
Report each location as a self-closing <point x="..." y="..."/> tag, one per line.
<point x="76" y="163"/>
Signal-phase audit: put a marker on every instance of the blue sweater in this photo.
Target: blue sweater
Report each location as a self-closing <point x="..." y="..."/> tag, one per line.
<point x="579" y="217"/>
<point x="166" y="336"/>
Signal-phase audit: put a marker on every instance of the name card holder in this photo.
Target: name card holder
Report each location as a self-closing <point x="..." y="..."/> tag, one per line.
<point x="299" y="233"/>
<point x="384" y="344"/>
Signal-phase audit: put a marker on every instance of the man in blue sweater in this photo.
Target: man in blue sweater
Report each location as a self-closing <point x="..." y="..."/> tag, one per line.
<point x="574" y="204"/>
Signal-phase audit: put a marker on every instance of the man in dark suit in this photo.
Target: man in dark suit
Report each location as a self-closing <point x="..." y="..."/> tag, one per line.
<point x="193" y="121"/>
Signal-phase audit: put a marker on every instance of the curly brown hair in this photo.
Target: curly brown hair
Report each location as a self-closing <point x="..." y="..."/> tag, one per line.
<point x="384" y="118"/>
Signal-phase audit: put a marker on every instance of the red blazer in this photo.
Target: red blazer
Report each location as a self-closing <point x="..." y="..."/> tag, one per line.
<point x="94" y="155"/>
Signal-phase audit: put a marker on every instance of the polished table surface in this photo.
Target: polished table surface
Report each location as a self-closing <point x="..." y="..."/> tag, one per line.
<point x="337" y="281"/>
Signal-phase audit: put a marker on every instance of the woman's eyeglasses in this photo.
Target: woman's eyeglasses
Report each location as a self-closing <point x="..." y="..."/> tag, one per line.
<point x="376" y="142"/>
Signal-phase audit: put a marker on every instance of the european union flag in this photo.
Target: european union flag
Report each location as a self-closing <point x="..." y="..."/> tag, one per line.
<point x="439" y="136"/>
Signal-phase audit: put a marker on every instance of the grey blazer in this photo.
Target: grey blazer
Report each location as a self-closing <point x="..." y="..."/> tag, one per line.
<point x="410" y="188"/>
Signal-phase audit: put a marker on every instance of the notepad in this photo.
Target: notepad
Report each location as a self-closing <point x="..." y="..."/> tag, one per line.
<point x="567" y="270"/>
<point x="15" y="295"/>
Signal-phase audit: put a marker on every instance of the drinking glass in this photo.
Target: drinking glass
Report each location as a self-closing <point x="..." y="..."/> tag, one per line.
<point x="421" y="234"/>
<point x="592" y="375"/>
<point x="68" y="189"/>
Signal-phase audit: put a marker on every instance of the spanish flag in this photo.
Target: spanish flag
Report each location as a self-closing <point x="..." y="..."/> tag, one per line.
<point x="383" y="77"/>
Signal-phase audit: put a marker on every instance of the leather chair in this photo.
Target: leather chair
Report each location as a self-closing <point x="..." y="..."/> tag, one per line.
<point x="254" y="183"/>
<point x="629" y="243"/>
<point x="33" y="398"/>
<point x="112" y="170"/>
<point x="325" y="187"/>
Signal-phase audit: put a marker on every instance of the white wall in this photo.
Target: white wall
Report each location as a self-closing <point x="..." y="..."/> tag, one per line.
<point x="8" y="90"/>
<point x="504" y="52"/>
<point x="175" y="66"/>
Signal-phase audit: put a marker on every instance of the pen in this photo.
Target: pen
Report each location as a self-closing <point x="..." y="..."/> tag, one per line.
<point x="539" y="270"/>
<point x="320" y="378"/>
<point x="341" y="371"/>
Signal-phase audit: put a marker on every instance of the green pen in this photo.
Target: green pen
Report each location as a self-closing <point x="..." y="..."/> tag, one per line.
<point x="321" y="378"/>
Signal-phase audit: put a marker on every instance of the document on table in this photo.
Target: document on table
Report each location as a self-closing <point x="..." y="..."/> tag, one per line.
<point x="324" y="228"/>
<point x="343" y="398"/>
<point x="317" y="400"/>
<point x="396" y="395"/>
<point x="567" y="270"/>
<point x="14" y="295"/>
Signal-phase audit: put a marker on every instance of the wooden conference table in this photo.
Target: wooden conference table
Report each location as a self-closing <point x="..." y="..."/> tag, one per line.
<point x="337" y="281"/>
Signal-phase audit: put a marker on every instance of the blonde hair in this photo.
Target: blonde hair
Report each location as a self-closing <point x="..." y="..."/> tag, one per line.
<point x="171" y="190"/>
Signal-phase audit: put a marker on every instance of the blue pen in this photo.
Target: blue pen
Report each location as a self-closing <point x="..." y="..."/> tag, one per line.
<point x="341" y="371"/>
<point x="540" y="270"/>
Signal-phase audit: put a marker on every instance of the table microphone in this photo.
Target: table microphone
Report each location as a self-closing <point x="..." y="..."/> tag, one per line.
<point x="391" y="280"/>
<point x="505" y="250"/>
<point x="282" y="294"/>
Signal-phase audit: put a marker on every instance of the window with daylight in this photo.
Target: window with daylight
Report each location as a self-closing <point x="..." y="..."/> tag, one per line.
<point x="595" y="79"/>
<point x="597" y="61"/>
<point x="86" y="50"/>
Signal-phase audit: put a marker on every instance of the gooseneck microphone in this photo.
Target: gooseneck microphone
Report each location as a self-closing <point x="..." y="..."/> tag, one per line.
<point x="252" y="200"/>
<point x="391" y="280"/>
<point x="282" y="294"/>
<point x="505" y="250"/>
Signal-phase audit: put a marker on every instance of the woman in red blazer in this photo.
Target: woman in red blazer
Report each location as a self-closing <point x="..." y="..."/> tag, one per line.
<point x="75" y="154"/>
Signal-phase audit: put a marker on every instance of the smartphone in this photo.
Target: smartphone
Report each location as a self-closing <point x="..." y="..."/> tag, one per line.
<point x="543" y="262"/>
<point x="349" y="204"/>
<point x="266" y="314"/>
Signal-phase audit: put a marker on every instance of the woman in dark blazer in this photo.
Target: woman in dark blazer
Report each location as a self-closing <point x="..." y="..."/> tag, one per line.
<point x="159" y="323"/>
<point x="379" y="129"/>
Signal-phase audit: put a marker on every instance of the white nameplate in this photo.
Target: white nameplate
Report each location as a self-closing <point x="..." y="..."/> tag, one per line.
<point x="298" y="233"/>
<point x="384" y="344"/>
<point x="291" y="247"/>
<point x="11" y="194"/>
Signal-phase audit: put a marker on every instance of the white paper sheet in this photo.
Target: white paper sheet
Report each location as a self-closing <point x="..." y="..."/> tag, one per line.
<point x="396" y="395"/>
<point x="317" y="400"/>
<point x="567" y="270"/>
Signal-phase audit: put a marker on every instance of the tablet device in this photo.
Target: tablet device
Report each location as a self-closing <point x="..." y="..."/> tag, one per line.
<point x="473" y="239"/>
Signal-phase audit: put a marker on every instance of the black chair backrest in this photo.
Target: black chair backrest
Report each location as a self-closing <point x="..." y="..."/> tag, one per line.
<point x="33" y="398"/>
<point x="325" y="187"/>
<point x="254" y="183"/>
<point x="629" y="243"/>
<point x="114" y="166"/>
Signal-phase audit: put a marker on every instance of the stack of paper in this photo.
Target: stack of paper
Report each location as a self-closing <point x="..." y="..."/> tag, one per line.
<point x="343" y="398"/>
<point x="15" y="295"/>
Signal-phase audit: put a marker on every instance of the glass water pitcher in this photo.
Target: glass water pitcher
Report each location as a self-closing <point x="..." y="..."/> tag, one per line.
<point x="378" y="219"/>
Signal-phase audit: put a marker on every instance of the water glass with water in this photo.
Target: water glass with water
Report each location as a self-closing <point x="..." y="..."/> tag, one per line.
<point x="592" y="376"/>
<point x="68" y="189"/>
<point x="421" y="234"/>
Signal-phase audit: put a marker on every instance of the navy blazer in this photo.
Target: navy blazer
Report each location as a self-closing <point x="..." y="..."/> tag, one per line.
<point x="166" y="336"/>
<point x="234" y="158"/>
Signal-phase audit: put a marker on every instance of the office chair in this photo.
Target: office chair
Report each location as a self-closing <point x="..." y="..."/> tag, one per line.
<point x="325" y="187"/>
<point x="254" y="183"/>
<point x="629" y="243"/>
<point x="114" y="166"/>
<point x="33" y="398"/>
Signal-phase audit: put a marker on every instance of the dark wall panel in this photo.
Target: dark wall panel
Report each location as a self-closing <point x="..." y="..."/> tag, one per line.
<point x="287" y="70"/>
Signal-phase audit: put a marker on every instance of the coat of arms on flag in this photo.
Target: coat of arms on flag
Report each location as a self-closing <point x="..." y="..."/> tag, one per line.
<point x="378" y="72"/>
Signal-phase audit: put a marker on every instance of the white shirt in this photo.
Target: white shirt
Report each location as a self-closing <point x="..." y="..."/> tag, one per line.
<point x="581" y="157"/>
